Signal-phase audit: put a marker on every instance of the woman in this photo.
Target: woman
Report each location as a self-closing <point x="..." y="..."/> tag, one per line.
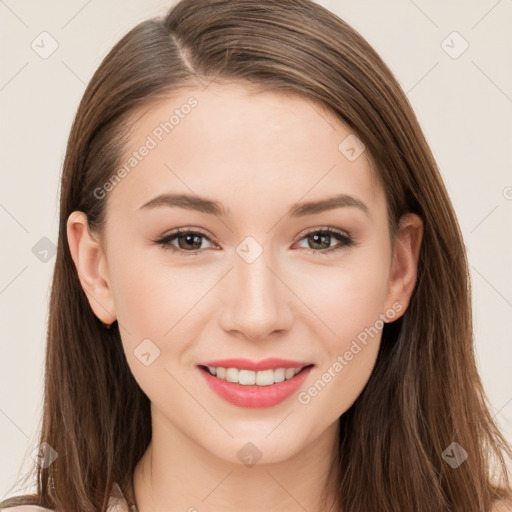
<point x="316" y="351"/>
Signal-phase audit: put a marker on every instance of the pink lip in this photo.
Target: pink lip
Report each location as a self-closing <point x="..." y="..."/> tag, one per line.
<point x="254" y="396"/>
<point x="266" y="364"/>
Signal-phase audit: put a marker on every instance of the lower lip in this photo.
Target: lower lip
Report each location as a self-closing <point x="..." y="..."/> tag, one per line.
<point x="255" y="396"/>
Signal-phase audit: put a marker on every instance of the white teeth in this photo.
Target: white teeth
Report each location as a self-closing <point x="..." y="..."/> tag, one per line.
<point x="279" y="375"/>
<point x="247" y="377"/>
<point x="232" y="374"/>
<point x="289" y="373"/>
<point x="265" y="377"/>
<point x="250" y="378"/>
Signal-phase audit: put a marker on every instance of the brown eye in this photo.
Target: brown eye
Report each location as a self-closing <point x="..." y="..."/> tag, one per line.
<point x="188" y="242"/>
<point x="320" y="240"/>
<point x="192" y="241"/>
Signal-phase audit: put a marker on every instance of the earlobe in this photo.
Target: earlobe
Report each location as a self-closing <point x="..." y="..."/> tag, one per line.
<point x="404" y="266"/>
<point x="90" y="262"/>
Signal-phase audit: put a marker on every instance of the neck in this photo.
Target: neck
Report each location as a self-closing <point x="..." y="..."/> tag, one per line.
<point x="176" y="474"/>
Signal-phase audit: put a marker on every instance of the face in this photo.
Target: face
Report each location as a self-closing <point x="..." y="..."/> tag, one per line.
<point x="263" y="267"/>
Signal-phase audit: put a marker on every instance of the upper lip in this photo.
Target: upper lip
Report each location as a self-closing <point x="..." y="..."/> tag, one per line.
<point x="265" y="364"/>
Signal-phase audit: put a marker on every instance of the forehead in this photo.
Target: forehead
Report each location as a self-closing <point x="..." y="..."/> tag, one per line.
<point x="236" y="143"/>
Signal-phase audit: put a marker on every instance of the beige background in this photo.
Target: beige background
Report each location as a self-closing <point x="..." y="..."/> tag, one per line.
<point x="464" y="105"/>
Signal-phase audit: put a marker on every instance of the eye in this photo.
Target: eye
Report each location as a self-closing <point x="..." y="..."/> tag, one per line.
<point x="188" y="241"/>
<point x="320" y="240"/>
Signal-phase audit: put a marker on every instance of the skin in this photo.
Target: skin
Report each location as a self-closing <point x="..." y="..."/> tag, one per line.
<point x="243" y="149"/>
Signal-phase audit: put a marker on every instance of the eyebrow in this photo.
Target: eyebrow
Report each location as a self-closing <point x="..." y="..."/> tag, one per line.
<point x="211" y="207"/>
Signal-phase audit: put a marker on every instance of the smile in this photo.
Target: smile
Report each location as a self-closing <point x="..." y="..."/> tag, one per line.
<point x="255" y="388"/>
<point x="250" y="377"/>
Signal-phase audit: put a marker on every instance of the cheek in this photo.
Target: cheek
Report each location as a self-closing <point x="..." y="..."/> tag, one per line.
<point x="152" y="302"/>
<point x="348" y="297"/>
<point x="350" y="300"/>
<point x="157" y="307"/>
<point x="150" y="296"/>
<point x="136" y="298"/>
<point x="351" y="307"/>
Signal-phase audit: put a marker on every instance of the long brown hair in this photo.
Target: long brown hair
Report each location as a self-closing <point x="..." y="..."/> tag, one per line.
<point x="424" y="393"/>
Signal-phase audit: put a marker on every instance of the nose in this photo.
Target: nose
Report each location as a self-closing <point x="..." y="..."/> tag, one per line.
<point x="257" y="301"/>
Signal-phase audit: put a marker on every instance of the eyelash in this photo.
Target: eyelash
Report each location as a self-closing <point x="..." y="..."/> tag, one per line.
<point x="345" y="240"/>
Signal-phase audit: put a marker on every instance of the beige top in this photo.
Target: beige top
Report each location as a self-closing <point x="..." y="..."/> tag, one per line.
<point x="117" y="503"/>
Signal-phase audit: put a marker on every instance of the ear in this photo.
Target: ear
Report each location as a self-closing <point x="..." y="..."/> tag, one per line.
<point x="404" y="266"/>
<point x="91" y="264"/>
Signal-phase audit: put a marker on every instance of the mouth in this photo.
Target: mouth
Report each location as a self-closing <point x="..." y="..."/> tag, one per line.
<point x="246" y="377"/>
<point x="255" y="388"/>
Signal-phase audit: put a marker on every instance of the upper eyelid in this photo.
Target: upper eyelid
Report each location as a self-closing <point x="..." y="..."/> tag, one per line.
<point x="184" y="231"/>
<point x="339" y="231"/>
<point x="191" y="230"/>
